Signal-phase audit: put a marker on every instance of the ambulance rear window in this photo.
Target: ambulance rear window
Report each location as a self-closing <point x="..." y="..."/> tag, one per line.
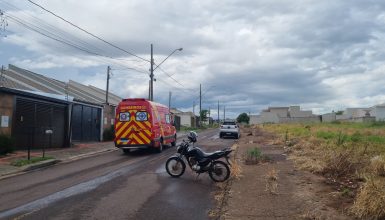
<point x="141" y="116"/>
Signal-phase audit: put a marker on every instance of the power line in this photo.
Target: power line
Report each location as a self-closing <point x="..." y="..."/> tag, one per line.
<point x="99" y="38"/>
<point x="60" y="39"/>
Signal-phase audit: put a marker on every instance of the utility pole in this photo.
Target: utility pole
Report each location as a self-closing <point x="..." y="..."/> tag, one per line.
<point x="108" y="83"/>
<point x="152" y="77"/>
<point x="169" y="100"/>
<point x="218" y="112"/>
<point x="194" y="108"/>
<point x="209" y="114"/>
<point x="1" y="75"/>
<point x="149" y="89"/>
<point x="224" y="113"/>
<point x="200" y="104"/>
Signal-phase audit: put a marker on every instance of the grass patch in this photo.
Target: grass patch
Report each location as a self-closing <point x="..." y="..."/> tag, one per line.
<point x="23" y="162"/>
<point x="254" y="156"/>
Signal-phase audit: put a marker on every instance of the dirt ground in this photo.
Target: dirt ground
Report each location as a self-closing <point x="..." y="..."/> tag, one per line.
<point x="275" y="189"/>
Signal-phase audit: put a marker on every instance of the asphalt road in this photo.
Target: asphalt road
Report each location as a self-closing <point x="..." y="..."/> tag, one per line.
<point x="112" y="186"/>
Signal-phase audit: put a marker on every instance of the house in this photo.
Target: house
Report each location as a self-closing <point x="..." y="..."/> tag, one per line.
<point x="328" y="117"/>
<point x="284" y="115"/>
<point x="356" y="115"/>
<point x="84" y="112"/>
<point x="378" y="112"/>
<point x="187" y="119"/>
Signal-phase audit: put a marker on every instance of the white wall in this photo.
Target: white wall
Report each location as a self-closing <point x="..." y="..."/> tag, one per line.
<point x="379" y="113"/>
<point x="269" y="117"/>
<point x="255" y="119"/>
<point x="185" y="120"/>
<point x="281" y="112"/>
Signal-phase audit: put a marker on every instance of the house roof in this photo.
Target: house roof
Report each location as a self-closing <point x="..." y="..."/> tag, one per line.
<point x="18" y="78"/>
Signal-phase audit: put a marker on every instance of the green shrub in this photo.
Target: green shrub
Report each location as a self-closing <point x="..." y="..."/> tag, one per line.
<point x="109" y="134"/>
<point x="254" y="156"/>
<point x="6" y="144"/>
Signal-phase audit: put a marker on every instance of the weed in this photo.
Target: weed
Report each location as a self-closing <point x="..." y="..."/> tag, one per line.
<point x="346" y="192"/>
<point x="340" y="164"/>
<point x="341" y="139"/>
<point x="235" y="169"/>
<point x="253" y="156"/>
<point x="377" y="165"/>
<point x="23" y="162"/>
<point x="370" y="200"/>
<point x="272" y="181"/>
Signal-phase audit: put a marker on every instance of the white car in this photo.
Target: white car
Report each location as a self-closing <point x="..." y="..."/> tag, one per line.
<point x="229" y="129"/>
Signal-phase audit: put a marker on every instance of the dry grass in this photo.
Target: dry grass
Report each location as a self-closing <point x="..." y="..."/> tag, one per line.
<point x="271" y="179"/>
<point x="370" y="201"/>
<point x="345" y="152"/>
<point x="377" y="165"/>
<point x="235" y="169"/>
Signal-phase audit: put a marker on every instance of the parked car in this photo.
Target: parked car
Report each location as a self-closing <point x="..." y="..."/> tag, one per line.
<point x="229" y="129"/>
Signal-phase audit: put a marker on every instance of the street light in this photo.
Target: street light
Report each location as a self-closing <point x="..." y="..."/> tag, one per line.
<point x="152" y="71"/>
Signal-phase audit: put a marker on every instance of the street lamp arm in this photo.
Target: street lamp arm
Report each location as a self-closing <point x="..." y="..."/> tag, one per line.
<point x="180" y="49"/>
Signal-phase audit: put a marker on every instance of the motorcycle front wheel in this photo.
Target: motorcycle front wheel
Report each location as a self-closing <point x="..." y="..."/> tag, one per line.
<point x="175" y="166"/>
<point x="219" y="171"/>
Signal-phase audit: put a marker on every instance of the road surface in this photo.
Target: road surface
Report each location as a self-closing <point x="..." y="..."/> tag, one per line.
<point x="112" y="186"/>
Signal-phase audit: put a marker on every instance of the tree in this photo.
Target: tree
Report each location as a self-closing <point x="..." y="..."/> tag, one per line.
<point x="243" y="118"/>
<point x="203" y="115"/>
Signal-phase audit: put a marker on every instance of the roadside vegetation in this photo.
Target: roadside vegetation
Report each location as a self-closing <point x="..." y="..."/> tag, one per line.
<point x="350" y="155"/>
<point x="23" y="162"/>
<point x="6" y="144"/>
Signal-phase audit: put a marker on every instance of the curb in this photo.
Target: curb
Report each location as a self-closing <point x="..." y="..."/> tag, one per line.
<point x="85" y="155"/>
<point x="40" y="164"/>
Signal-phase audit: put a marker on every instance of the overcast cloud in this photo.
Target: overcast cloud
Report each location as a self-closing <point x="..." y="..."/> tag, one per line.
<point x="248" y="55"/>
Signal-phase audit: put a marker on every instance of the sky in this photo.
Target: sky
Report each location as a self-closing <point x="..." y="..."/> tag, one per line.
<point x="247" y="55"/>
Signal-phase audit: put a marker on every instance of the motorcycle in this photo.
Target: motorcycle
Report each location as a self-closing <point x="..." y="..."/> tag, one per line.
<point x="199" y="161"/>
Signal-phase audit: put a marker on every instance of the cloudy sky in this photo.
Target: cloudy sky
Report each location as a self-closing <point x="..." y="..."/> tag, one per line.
<point x="246" y="54"/>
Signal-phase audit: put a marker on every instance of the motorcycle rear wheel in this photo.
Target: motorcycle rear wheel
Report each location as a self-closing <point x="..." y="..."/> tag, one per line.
<point x="175" y="166"/>
<point x="219" y="171"/>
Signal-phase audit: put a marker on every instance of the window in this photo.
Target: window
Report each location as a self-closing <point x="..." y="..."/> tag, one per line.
<point x="168" y="119"/>
<point x="141" y="116"/>
<point x="124" y="116"/>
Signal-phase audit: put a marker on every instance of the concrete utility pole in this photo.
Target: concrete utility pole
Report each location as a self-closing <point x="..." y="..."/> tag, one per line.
<point x="1" y="75"/>
<point x="218" y="112"/>
<point x="194" y="108"/>
<point x="149" y="89"/>
<point x="224" y="113"/>
<point x="152" y="77"/>
<point x="169" y="99"/>
<point x="200" y="104"/>
<point x="108" y="83"/>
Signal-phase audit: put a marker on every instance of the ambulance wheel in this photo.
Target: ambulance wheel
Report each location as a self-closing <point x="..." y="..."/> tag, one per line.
<point x="160" y="148"/>
<point x="126" y="151"/>
<point x="174" y="142"/>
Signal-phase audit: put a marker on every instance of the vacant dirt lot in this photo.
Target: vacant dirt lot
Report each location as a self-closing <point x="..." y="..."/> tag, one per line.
<point x="274" y="188"/>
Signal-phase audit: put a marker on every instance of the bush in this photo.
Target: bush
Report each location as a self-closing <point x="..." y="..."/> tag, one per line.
<point x="6" y="144"/>
<point x="109" y="134"/>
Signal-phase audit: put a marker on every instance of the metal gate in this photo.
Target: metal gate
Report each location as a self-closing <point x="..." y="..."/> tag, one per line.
<point x="33" y="118"/>
<point x="85" y="123"/>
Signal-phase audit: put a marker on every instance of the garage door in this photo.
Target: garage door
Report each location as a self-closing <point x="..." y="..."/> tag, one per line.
<point x="33" y="118"/>
<point x="85" y="123"/>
